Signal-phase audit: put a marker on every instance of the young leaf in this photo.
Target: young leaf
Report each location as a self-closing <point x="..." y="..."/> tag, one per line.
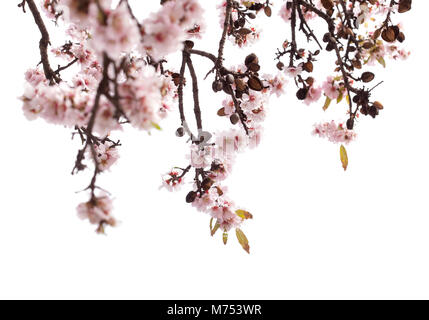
<point x="382" y="61"/>
<point x="225" y="237"/>
<point x="327" y="103"/>
<point x="156" y="126"/>
<point x="215" y="228"/>
<point x="348" y="99"/>
<point x="241" y="237"/>
<point x="340" y="97"/>
<point x="244" y="214"/>
<point x="344" y="157"/>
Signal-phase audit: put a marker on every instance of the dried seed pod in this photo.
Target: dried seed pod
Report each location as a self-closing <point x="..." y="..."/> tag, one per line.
<point x="227" y="88"/>
<point x="326" y="37"/>
<point x="404" y="6"/>
<point x="234" y="118"/>
<point x="309" y="81"/>
<point x="230" y="79"/>
<point x="357" y="64"/>
<point x="244" y="31"/>
<point x="239" y="23"/>
<point x="389" y="34"/>
<point x="221" y="112"/>
<point x="240" y="84"/>
<point x="327" y="4"/>
<point x="350" y="124"/>
<point x="207" y="184"/>
<point x="367" y="76"/>
<point x="330" y="46"/>
<point x="251" y="58"/>
<point x="378" y="105"/>
<point x="368" y="45"/>
<point x="376" y="34"/>
<point x="180" y="132"/>
<point x="191" y="196"/>
<point x="308" y="66"/>
<point x="373" y="111"/>
<point x="255" y="84"/>
<point x="301" y="94"/>
<point x="217" y="86"/>
<point x="254" y="67"/>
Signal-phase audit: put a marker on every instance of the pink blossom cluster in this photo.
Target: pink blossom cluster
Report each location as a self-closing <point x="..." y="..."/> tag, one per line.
<point x="313" y="94"/>
<point x="98" y="211"/>
<point x="334" y="132"/>
<point x="286" y="12"/>
<point x="164" y="31"/>
<point x="106" y="155"/>
<point x="145" y="97"/>
<point x="217" y="159"/>
<point x="117" y="34"/>
<point x="220" y="207"/>
<point x="331" y="88"/>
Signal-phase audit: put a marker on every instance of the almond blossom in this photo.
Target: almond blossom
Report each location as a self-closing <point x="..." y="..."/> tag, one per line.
<point x="120" y="73"/>
<point x="334" y="132"/>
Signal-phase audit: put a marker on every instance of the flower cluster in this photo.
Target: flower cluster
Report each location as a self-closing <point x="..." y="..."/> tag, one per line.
<point x="334" y="132"/>
<point x="164" y="31"/>
<point x="358" y="33"/>
<point x="98" y="211"/>
<point x="118" y="75"/>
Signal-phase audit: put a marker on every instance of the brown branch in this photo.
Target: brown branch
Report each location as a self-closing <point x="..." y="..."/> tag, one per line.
<point x="197" y="109"/>
<point x="224" y="33"/>
<point x="43" y="44"/>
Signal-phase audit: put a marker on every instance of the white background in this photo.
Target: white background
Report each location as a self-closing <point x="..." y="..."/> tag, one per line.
<point x="318" y="232"/>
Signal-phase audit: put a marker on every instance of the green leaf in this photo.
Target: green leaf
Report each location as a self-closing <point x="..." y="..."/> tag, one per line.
<point x="242" y="239"/>
<point x="243" y="214"/>
<point x="225" y="237"/>
<point x="327" y="103"/>
<point x="344" y="158"/>
<point x="156" y="126"/>
<point x="215" y="228"/>
<point x="382" y="62"/>
<point x="348" y="99"/>
<point x="340" y="97"/>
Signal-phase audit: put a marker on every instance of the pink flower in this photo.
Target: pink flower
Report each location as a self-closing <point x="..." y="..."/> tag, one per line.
<point x="172" y="180"/>
<point x="34" y="77"/>
<point x="286" y="11"/>
<point x="293" y="71"/>
<point x="97" y="211"/>
<point x="313" y="95"/>
<point x="201" y="158"/>
<point x="330" y="89"/>
<point x="142" y="98"/>
<point x="277" y="84"/>
<point x="107" y="155"/>
<point x="165" y="31"/>
<point x="335" y="133"/>
<point x="119" y="35"/>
